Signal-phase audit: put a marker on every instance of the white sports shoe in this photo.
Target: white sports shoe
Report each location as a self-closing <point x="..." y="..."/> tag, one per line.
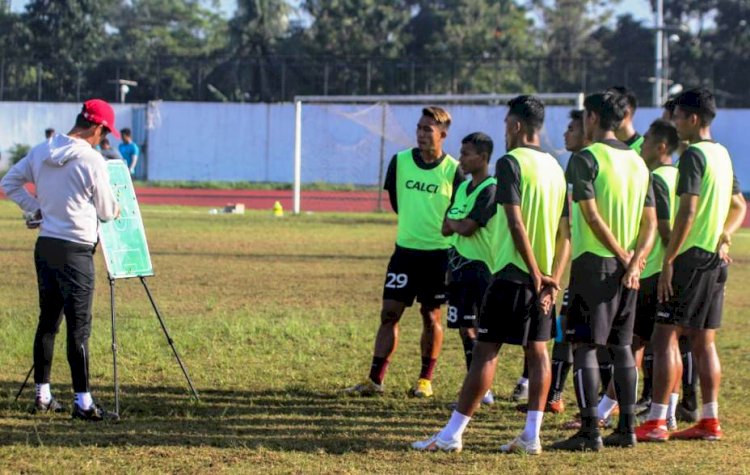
<point x="435" y="443"/>
<point x="520" y="446"/>
<point x="489" y="398"/>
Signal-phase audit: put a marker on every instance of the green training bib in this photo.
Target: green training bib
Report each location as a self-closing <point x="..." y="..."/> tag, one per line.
<point x="483" y="244"/>
<point x="543" y="194"/>
<point x="620" y="186"/>
<point x="714" y="200"/>
<point x="667" y="174"/>
<point x="423" y="198"/>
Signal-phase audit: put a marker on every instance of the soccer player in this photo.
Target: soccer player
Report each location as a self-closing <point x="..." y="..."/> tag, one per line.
<point x="626" y="132"/>
<point x="691" y="285"/>
<point x="474" y="242"/>
<point x="420" y="183"/>
<point x="532" y="255"/>
<point x="562" y="351"/>
<point x="687" y="410"/>
<point x="613" y="225"/>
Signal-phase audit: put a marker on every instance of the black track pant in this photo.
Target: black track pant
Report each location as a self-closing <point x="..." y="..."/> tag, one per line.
<point x="65" y="275"/>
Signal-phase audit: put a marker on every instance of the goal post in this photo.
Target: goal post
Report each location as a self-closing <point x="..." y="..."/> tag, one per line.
<point x="574" y="99"/>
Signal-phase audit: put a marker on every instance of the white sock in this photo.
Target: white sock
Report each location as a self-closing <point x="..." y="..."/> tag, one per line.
<point x="84" y="400"/>
<point x="455" y="427"/>
<point x="674" y="398"/>
<point x="43" y="392"/>
<point x="711" y="410"/>
<point x="523" y="381"/>
<point x="533" y="425"/>
<point x="606" y="406"/>
<point x="658" y="412"/>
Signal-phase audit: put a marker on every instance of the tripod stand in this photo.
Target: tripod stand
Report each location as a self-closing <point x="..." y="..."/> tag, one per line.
<point x="114" y="345"/>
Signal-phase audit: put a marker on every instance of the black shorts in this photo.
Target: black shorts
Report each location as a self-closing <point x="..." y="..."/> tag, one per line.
<point x="510" y="314"/>
<point x="698" y="284"/>
<point x="562" y="320"/>
<point x="646" y="308"/>
<point x="413" y="273"/>
<point x="602" y="310"/>
<point x="466" y="287"/>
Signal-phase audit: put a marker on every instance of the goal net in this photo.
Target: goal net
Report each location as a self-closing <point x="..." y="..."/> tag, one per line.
<point x="349" y="140"/>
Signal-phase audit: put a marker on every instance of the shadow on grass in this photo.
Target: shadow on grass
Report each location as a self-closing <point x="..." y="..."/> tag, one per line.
<point x="292" y="420"/>
<point x="268" y="257"/>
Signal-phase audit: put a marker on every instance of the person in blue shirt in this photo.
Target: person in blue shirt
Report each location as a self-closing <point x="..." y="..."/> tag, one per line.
<point x="129" y="150"/>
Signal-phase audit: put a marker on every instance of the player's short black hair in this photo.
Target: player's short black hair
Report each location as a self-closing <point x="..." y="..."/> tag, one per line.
<point x="529" y="110"/>
<point x="576" y="114"/>
<point x="699" y="101"/>
<point x="629" y="95"/>
<point x="669" y="105"/>
<point x="49" y="132"/>
<point x="126" y="131"/>
<point x="481" y="142"/>
<point x="665" y="131"/>
<point x="82" y="122"/>
<point x="609" y="106"/>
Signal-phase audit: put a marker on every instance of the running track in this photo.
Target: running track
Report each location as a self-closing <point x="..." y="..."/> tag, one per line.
<point x="338" y="201"/>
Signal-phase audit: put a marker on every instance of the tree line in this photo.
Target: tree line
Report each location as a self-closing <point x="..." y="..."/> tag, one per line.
<point x="271" y="50"/>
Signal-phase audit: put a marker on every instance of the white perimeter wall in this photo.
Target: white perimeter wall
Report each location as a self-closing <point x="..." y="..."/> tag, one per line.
<point x="254" y="142"/>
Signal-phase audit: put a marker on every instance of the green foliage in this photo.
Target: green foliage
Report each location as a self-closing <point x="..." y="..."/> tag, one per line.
<point x="18" y="151"/>
<point x="270" y="50"/>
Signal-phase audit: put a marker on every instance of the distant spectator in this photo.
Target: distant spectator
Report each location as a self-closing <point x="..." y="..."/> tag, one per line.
<point x="49" y="133"/>
<point x="129" y="150"/>
<point x="108" y="152"/>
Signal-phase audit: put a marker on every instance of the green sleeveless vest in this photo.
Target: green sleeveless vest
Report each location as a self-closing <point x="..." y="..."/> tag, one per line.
<point x="637" y="145"/>
<point x="668" y="174"/>
<point x="714" y="200"/>
<point x="621" y="186"/>
<point x="481" y="245"/>
<point x="543" y="194"/>
<point x="423" y="198"/>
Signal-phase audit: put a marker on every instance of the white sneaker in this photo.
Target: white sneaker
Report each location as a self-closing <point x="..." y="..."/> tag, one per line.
<point x="671" y="424"/>
<point x="489" y="398"/>
<point x="435" y="443"/>
<point x="520" y="392"/>
<point x="520" y="446"/>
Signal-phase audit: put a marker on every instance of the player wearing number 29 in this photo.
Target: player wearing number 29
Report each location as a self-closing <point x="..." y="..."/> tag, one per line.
<point x="72" y="191"/>
<point x="421" y="183"/>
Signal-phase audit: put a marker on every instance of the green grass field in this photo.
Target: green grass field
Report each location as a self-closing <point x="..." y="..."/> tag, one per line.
<point x="272" y="317"/>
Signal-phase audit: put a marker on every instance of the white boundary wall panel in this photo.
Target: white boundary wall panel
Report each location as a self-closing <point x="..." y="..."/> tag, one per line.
<point x="255" y="142"/>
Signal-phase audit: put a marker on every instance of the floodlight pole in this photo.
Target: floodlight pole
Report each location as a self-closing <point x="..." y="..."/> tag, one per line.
<point x="659" y="54"/>
<point x="297" y="154"/>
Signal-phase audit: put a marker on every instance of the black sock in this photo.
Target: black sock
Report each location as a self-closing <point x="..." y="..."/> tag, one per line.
<point x="468" y="343"/>
<point x="605" y="367"/>
<point x="626" y="379"/>
<point x="560" y="370"/>
<point x="587" y="379"/>
<point x="689" y="382"/>
<point x="648" y="376"/>
<point x="525" y="369"/>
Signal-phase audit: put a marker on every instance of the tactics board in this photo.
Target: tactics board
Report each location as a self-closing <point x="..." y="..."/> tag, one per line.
<point x="123" y="240"/>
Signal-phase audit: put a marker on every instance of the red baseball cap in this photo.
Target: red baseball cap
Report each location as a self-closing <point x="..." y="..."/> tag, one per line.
<point x="100" y="112"/>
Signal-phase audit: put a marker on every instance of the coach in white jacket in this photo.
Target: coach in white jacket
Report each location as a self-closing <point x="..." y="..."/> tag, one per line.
<point x="72" y="195"/>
